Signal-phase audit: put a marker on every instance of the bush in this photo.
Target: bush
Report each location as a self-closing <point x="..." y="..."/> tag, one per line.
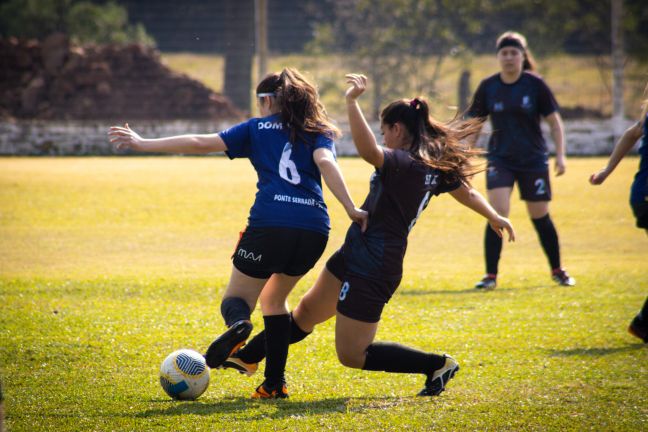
<point x="83" y="21"/>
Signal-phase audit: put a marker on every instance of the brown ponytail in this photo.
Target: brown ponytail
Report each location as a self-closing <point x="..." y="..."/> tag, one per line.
<point x="301" y="110"/>
<point x="439" y="145"/>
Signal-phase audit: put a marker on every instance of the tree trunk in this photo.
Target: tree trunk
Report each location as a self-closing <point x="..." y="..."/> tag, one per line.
<point x="239" y="52"/>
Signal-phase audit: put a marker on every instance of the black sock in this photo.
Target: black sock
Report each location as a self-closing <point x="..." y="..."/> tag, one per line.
<point x="492" y="250"/>
<point x="234" y="309"/>
<point x="255" y="351"/>
<point x="277" y="339"/>
<point x="548" y="239"/>
<point x="643" y="314"/>
<point x="393" y="357"/>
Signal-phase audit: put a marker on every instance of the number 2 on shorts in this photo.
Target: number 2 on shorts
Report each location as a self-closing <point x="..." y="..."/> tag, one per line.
<point x="540" y="185"/>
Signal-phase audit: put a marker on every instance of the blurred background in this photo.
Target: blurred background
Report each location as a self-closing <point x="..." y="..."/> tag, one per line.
<point x="70" y="68"/>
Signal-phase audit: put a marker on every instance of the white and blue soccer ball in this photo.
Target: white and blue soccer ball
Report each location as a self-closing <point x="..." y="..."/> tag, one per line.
<point x="184" y="375"/>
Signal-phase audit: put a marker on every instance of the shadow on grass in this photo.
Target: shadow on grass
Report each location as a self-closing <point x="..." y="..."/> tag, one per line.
<point x="594" y="352"/>
<point x="415" y="292"/>
<point x="258" y="409"/>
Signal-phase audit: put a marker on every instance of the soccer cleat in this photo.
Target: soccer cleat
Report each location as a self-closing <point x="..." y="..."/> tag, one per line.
<point x="278" y="392"/>
<point x="435" y="383"/>
<point x="562" y="278"/>
<point x="234" y="362"/>
<point x="228" y="343"/>
<point x="639" y="328"/>
<point x="489" y="282"/>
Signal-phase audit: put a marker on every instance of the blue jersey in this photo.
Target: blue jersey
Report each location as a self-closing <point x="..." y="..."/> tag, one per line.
<point x="289" y="186"/>
<point x="515" y="112"/>
<point x="639" y="189"/>
<point x="398" y="193"/>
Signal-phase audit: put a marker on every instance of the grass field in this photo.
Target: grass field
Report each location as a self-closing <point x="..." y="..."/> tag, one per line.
<point x="584" y="85"/>
<point x="109" y="264"/>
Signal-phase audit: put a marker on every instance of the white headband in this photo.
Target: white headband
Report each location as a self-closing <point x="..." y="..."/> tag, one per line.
<point x="265" y="94"/>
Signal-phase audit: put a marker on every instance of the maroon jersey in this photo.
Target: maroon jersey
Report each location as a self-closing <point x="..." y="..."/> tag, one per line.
<point x="399" y="192"/>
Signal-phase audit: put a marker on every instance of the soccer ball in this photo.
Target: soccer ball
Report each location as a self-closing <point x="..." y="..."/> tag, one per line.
<point x="184" y="375"/>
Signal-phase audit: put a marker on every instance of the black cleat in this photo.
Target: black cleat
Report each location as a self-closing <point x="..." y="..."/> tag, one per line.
<point x="489" y="282"/>
<point x="266" y="392"/>
<point x="562" y="278"/>
<point x="228" y="343"/>
<point x="435" y="383"/>
<point x="234" y="362"/>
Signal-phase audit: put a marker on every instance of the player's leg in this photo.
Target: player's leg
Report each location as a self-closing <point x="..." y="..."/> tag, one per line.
<point x="316" y="306"/>
<point x="639" y="325"/>
<point x="238" y="302"/>
<point x="277" y="325"/>
<point x="535" y="190"/>
<point x="500" y="199"/>
<point x="355" y="346"/>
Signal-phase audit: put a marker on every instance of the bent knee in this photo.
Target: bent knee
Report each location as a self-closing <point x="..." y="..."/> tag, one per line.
<point x="351" y="358"/>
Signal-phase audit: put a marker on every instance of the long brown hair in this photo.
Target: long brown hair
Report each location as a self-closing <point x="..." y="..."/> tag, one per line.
<point x="301" y="110"/>
<point x="439" y="145"/>
<point x="519" y="40"/>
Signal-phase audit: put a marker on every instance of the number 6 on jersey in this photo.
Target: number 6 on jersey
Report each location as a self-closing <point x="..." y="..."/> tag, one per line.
<point x="287" y="168"/>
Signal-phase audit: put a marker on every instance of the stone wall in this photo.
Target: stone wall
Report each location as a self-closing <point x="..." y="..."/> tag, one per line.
<point x="44" y="137"/>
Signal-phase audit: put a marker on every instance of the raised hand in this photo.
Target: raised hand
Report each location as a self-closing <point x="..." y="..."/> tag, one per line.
<point x="358" y="86"/>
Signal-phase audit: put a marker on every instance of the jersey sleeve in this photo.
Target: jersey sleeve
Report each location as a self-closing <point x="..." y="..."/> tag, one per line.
<point x="447" y="186"/>
<point x="479" y="106"/>
<point x="238" y="140"/>
<point x="547" y="103"/>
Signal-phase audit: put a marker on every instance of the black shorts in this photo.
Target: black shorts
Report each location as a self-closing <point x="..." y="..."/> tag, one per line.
<point x="533" y="185"/>
<point x="361" y="298"/>
<point x="261" y="252"/>
<point x="640" y="211"/>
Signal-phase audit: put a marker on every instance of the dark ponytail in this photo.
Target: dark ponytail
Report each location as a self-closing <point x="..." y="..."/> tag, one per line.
<point x="439" y="145"/>
<point x="302" y="113"/>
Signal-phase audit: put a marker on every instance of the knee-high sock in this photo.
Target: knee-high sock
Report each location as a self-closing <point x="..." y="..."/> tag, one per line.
<point x="548" y="239"/>
<point x="643" y="314"/>
<point x="255" y="350"/>
<point x="277" y="328"/>
<point x="492" y="250"/>
<point x="234" y="309"/>
<point x="393" y="357"/>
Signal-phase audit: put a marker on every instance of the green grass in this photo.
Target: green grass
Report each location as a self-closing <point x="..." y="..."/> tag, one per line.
<point x="575" y="80"/>
<point x="109" y="264"/>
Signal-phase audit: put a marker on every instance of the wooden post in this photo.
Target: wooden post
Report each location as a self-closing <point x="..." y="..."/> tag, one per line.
<point x="261" y="7"/>
<point x="617" y="65"/>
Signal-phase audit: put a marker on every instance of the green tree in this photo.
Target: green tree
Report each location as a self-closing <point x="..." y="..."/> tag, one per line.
<point x="83" y="21"/>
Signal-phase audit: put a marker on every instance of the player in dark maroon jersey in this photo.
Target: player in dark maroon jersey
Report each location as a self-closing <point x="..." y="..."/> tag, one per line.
<point x="515" y="99"/>
<point x="421" y="158"/>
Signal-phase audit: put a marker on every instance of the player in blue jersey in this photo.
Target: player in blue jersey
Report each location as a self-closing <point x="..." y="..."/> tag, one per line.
<point x="638" y="193"/>
<point x="287" y="230"/>
<point x="515" y="100"/>
<point x="422" y="158"/>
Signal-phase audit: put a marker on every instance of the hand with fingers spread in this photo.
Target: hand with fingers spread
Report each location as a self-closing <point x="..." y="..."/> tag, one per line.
<point x="358" y="86"/>
<point x="124" y="138"/>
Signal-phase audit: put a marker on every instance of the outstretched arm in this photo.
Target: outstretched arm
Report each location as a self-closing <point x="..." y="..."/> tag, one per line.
<point x="361" y="133"/>
<point x="558" y="136"/>
<point x="335" y="181"/>
<point x="126" y="138"/>
<point x="622" y="147"/>
<point x="476" y="202"/>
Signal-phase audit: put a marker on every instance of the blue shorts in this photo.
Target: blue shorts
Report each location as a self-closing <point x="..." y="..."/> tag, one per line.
<point x="533" y="185"/>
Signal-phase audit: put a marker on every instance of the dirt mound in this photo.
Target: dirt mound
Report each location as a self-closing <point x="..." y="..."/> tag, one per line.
<point x="54" y="79"/>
